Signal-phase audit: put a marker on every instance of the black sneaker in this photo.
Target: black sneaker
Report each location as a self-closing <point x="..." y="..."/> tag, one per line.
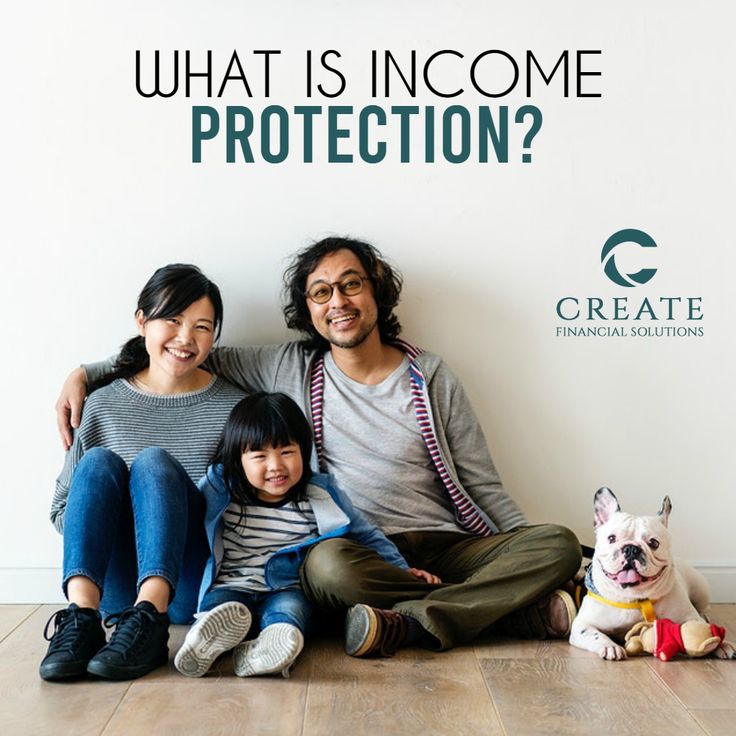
<point x="78" y="636"/>
<point x="137" y="646"/>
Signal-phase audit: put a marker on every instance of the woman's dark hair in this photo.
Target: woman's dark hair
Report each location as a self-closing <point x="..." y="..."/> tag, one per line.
<point x="167" y="293"/>
<point x="259" y="421"/>
<point x="386" y="282"/>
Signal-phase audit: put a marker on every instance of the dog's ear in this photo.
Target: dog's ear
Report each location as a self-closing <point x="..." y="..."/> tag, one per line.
<point x="605" y="505"/>
<point x="664" y="512"/>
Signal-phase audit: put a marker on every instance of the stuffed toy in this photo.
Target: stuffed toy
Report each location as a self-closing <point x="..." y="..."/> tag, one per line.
<point x="665" y="639"/>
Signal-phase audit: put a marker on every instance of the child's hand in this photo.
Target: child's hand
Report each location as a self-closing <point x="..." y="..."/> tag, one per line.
<point x="424" y="575"/>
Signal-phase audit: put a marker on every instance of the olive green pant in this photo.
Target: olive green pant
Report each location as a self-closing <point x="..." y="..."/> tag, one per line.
<point x="483" y="578"/>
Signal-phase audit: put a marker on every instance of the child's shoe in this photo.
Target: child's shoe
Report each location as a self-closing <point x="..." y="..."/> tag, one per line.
<point x="137" y="646"/>
<point x="274" y="650"/>
<point x="78" y="636"/>
<point x="213" y="633"/>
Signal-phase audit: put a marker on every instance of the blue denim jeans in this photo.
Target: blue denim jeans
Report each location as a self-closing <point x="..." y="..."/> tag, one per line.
<point x="270" y="607"/>
<point x="122" y="526"/>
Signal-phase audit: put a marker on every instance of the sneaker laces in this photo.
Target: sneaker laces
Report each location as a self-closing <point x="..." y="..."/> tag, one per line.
<point x="392" y="632"/>
<point x="69" y="627"/>
<point x="129" y="624"/>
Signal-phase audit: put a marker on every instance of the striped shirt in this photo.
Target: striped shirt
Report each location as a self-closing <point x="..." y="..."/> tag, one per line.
<point x="126" y="421"/>
<point x="252" y="535"/>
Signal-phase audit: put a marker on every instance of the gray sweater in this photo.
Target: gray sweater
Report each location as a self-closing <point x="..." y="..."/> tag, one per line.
<point x="126" y="421"/>
<point x="463" y="447"/>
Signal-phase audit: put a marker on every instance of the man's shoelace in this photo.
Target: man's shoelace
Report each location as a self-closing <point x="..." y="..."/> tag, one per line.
<point x="129" y="623"/>
<point x="69" y="625"/>
<point x="391" y="632"/>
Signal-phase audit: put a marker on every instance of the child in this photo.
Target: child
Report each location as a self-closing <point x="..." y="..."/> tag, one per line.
<point x="265" y="510"/>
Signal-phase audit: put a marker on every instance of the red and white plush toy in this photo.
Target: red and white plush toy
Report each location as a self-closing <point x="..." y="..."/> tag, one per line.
<point x="665" y="639"/>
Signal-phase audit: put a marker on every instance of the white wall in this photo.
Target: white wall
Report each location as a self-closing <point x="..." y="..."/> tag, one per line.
<point x="98" y="189"/>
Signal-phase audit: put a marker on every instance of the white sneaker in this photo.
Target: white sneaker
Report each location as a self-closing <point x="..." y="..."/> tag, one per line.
<point x="213" y="633"/>
<point x="274" y="650"/>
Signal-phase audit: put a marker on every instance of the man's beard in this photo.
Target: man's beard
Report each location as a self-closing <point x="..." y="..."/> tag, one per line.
<point x="354" y="341"/>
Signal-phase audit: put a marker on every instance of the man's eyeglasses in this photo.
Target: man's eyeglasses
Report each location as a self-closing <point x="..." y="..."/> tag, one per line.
<point x="321" y="292"/>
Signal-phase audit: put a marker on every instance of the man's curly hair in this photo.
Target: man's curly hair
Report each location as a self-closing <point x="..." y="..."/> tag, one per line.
<point x="386" y="282"/>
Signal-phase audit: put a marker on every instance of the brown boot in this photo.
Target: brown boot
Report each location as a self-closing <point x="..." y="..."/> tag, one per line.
<point x="374" y="631"/>
<point x="548" y="618"/>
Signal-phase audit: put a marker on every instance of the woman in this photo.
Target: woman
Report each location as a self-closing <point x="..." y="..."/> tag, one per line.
<point x="125" y="502"/>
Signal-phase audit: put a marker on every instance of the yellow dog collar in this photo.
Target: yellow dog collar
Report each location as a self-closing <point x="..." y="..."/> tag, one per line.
<point x="646" y="606"/>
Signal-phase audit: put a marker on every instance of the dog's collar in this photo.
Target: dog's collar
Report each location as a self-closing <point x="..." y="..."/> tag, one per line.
<point x="646" y="606"/>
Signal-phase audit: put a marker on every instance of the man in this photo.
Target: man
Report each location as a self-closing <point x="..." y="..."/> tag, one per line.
<point x="393" y="425"/>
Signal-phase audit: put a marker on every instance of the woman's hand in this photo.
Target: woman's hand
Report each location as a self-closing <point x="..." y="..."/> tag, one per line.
<point x="69" y="405"/>
<point x="424" y="575"/>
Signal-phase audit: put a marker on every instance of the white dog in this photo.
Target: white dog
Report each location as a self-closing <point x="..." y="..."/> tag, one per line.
<point x="633" y="577"/>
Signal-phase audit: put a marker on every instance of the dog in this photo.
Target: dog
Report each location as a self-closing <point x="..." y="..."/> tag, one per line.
<point x="632" y="577"/>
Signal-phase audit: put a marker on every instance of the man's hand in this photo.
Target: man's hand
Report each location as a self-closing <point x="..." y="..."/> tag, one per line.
<point x="424" y="575"/>
<point x="69" y="405"/>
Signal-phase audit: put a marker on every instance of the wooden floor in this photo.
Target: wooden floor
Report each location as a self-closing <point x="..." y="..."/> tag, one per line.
<point x="499" y="686"/>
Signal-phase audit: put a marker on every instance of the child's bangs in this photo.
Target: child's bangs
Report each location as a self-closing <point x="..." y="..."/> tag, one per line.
<point x="269" y="430"/>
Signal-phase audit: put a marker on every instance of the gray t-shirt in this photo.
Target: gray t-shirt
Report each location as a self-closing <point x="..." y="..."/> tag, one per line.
<point x="374" y="449"/>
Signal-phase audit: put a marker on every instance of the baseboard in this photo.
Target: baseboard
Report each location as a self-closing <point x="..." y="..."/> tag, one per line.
<point x="721" y="579"/>
<point x="30" y="585"/>
<point x="42" y="584"/>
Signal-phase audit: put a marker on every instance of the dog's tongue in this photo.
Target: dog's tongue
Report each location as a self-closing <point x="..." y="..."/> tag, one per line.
<point x="629" y="576"/>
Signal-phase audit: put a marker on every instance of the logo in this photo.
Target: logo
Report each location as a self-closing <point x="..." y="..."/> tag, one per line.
<point x="636" y="315"/>
<point x="608" y="257"/>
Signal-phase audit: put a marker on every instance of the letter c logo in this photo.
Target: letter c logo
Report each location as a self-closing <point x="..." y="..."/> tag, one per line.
<point x="629" y="235"/>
